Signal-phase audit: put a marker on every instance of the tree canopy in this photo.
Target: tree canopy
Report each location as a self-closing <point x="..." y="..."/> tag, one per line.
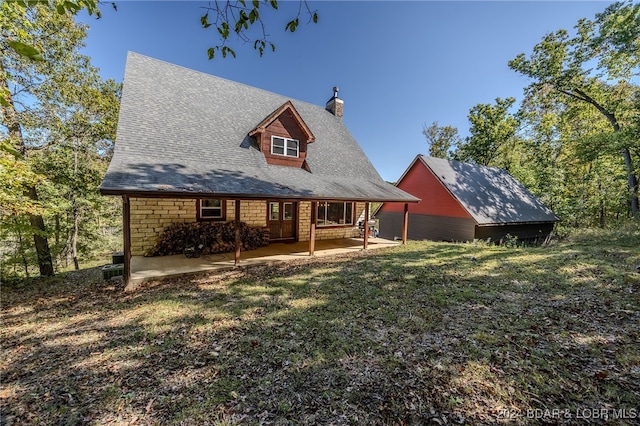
<point x="58" y="121"/>
<point x="441" y="139"/>
<point x="492" y="126"/>
<point x="596" y="67"/>
<point x="574" y="139"/>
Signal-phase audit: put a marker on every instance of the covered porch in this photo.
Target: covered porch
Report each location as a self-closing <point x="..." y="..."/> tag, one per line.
<point x="154" y="268"/>
<point x="138" y="268"/>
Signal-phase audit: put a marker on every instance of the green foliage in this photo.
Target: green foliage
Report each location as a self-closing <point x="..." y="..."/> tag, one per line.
<point x="564" y="79"/>
<point x="25" y="50"/>
<point x="21" y="9"/>
<point x="580" y="112"/>
<point x="441" y="139"/>
<point x="15" y="175"/>
<point x="247" y="23"/>
<point x="16" y="245"/>
<point x="492" y="127"/>
<point x="61" y="119"/>
<point x="618" y="38"/>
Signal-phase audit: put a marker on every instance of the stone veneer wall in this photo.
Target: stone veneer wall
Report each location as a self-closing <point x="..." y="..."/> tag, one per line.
<point x="150" y="216"/>
<point x="252" y="212"/>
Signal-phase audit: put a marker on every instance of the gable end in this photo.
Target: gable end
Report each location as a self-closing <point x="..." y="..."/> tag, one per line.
<point x="286" y="127"/>
<point x="420" y="181"/>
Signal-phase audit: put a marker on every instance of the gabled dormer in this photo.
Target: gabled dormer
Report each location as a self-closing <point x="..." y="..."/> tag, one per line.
<point x="283" y="137"/>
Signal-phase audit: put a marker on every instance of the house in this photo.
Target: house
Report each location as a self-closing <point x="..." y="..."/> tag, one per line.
<point x="463" y="202"/>
<point x="194" y="147"/>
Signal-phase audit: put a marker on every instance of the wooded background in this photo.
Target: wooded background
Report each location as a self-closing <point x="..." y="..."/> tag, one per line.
<point x="573" y="140"/>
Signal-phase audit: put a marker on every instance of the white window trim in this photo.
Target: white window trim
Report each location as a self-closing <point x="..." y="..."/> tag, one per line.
<point x="286" y="146"/>
<point x="210" y="209"/>
<point x="330" y="225"/>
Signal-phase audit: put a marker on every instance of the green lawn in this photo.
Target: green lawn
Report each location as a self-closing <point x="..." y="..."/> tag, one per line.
<point x="428" y="333"/>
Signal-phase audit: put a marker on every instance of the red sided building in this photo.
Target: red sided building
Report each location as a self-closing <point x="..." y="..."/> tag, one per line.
<point x="463" y="202"/>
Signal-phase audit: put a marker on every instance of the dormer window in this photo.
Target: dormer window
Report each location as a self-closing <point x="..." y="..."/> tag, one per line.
<point x="285" y="146"/>
<point x="283" y="137"/>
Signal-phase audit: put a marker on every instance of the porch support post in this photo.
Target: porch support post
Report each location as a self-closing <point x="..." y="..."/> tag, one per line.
<point x="237" y="229"/>
<point x="312" y="228"/>
<point x="405" y="223"/>
<point x="126" y="237"/>
<point x="365" y="244"/>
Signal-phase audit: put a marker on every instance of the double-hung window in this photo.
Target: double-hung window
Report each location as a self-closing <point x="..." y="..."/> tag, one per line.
<point x="334" y="213"/>
<point x="285" y="146"/>
<point x="211" y="209"/>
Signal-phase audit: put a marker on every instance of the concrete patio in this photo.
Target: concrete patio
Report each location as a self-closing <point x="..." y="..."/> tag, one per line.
<point x="152" y="268"/>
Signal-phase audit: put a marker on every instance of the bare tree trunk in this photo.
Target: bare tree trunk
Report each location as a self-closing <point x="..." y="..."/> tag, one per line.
<point x="57" y="229"/>
<point x="25" y="263"/>
<point x="66" y="253"/>
<point x="633" y="183"/>
<point x="76" y="212"/>
<point x="37" y="222"/>
<point x="601" y="205"/>
<point x="40" y="240"/>
<point x="74" y="239"/>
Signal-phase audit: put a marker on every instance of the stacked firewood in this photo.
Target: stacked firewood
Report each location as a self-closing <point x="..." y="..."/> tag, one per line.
<point x="215" y="237"/>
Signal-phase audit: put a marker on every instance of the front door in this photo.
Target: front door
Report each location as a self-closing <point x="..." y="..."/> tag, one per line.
<point x="282" y="220"/>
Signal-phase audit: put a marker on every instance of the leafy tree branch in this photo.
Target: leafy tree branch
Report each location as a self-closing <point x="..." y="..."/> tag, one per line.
<point x="245" y="20"/>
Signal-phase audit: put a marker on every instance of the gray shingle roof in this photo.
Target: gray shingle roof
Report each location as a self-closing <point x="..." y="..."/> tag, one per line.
<point x="183" y="132"/>
<point x="489" y="194"/>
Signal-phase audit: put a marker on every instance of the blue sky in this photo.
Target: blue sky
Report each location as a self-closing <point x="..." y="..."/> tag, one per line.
<point x="399" y="65"/>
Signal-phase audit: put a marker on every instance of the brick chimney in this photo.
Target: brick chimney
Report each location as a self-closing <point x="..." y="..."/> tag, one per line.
<point x="335" y="105"/>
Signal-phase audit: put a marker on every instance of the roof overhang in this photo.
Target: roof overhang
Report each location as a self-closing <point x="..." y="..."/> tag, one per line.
<point x="484" y="225"/>
<point x="235" y="196"/>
